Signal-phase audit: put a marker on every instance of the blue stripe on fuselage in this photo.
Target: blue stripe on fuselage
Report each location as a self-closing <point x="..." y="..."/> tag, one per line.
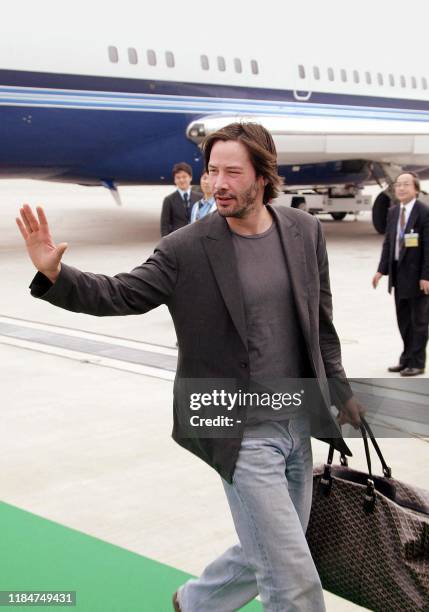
<point x="73" y="99"/>
<point x="101" y="85"/>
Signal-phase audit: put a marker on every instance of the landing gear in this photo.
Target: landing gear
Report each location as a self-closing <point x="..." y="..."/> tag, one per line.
<point x="338" y="216"/>
<point x="380" y="209"/>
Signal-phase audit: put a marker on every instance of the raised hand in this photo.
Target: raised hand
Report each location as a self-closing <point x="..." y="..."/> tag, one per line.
<point x="45" y="255"/>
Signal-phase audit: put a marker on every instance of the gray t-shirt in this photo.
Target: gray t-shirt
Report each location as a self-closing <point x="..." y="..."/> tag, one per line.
<point x="276" y="344"/>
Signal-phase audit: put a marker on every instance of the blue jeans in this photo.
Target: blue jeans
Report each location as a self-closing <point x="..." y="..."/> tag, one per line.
<point x="270" y="502"/>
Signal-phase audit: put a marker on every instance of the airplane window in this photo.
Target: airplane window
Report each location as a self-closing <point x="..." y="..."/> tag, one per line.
<point x="343" y="74"/>
<point x="391" y="80"/>
<point x="151" y="57"/>
<point x="204" y="62"/>
<point x="424" y="83"/>
<point x="301" y="71"/>
<point x="169" y="59"/>
<point x="331" y="74"/>
<point x="237" y="65"/>
<point x="356" y="77"/>
<point x="414" y="82"/>
<point x="254" y="66"/>
<point x="221" y="63"/>
<point x="368" y="78"/>
<point x="113" y="55"/>
<point x="380" y="79"/>
<point x="316" y="72"/>
<point x="132" y="56"/>
<point x="402" y="81"/>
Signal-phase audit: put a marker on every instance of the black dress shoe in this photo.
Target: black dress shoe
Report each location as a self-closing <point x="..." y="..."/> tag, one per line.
<point x="176" y="606"/>
<point x="412" y="371"/>
<point x="397" y="368"/>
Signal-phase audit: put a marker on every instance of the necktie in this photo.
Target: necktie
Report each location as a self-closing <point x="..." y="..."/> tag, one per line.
<point x="186" y="200"/>
<point x="402" y="227"/>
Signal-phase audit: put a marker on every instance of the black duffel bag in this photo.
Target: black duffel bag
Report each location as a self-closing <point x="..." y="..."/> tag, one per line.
<point x="369" y="535"/>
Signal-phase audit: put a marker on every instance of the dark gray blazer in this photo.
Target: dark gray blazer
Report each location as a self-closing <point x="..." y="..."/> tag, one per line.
<point x="193" y="272"/>
<point x="173" y="213"/>
<point x="413" y="262"/>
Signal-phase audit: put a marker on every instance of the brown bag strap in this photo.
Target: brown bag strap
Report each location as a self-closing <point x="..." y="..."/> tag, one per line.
<point x="387" y="471"/>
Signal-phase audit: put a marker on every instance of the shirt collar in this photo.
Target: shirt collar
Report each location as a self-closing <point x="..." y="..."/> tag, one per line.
<point x="203" y="201"/>
<point x="409" y="205"/>
<point x="182" y="193"/>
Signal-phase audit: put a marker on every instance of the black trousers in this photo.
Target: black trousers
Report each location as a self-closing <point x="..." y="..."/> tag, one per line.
<point x="413" y="321"/>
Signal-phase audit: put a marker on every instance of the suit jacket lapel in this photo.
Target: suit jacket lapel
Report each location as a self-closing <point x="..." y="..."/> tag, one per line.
<point x="220" y="251"/>
<point x="412" y="218"/>
<point x="180" y="205"/>
<point x="195" y="197"/>
<point x="293" y="246"/>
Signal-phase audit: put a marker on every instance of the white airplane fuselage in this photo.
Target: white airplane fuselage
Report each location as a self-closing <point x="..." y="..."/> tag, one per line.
<point x="121" y="101"/>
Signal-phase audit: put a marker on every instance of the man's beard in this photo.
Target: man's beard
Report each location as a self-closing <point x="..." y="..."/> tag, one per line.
<point x="245" y="202"/>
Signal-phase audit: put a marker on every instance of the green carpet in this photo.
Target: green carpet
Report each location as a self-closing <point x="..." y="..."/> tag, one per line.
<point x="40" y="555"/>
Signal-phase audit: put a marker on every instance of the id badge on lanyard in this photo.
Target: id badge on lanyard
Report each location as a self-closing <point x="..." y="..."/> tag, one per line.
<point x="411" y="240"/>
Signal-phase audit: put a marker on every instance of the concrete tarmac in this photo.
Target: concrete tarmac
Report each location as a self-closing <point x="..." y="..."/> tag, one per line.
<point x="86" y="402"/>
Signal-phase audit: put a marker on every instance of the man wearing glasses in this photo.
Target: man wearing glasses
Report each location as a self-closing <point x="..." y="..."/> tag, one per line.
<point x="405" y="259"/>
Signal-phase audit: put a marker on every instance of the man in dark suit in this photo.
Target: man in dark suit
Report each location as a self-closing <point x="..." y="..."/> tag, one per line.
<point x="248" y="290"/>
<point x="405" y="259"/>
<point x="177" y="207"/>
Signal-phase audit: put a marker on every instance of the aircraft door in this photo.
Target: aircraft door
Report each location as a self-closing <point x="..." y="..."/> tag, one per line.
<point x="303" y="92"/>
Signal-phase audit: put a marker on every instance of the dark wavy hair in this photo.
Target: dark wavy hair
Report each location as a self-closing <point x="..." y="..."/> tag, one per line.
<point x="261" y="148"/>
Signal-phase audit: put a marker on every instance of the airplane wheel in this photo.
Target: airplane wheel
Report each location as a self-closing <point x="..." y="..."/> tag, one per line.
<point x="380" y="209"/>
<point x="337" y="216"/>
